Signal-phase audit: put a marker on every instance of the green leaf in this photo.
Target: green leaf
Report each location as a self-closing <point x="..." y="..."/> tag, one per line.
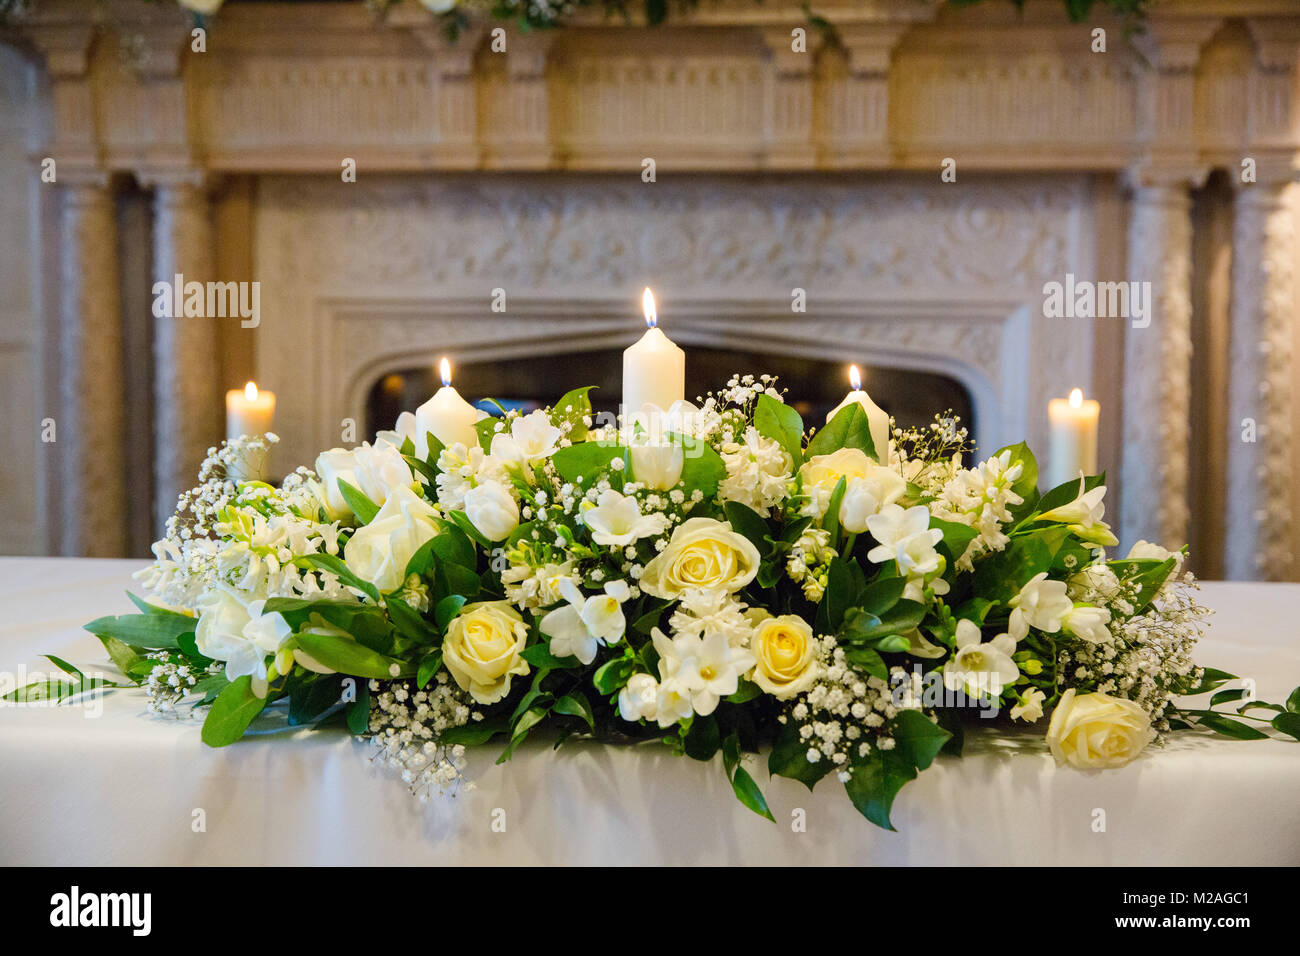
<point x="745" y="692"/>
<point x="1066" y="492"/>
<point x="702" y="467"/>
<point x="1211" y="679"/>
<point x="1148" y="573"/>
<point x="146" y="608"/>
<point x="473" y="734"/>
<point x="447" y="609"/>
<point x="231" y="713"/>
<point x="350" y="657"/>
<point x="1224" y="696"/>
<point x="648" y="621"/>
<point x="869" y="660"/>
<point x="462" y="522"/>
<point x="486" y="429"/>
<point x="918" y="738"/>
<point x="571" y="409"/>
<point x="875" y="782"/>
<point x="782" y="424"/>
<point x="789" y="758"/>
<point x="1228" y="727"/>
<point x="748" y="522"/>
<point x="1293" y="701"/>
<point x="122" y="655"/>
<point x="421" y="562"/>
<point x="955" y="538"/>
<point x="850" y="428"/>
<point x="334" y="564"/>
<point x="703" y="740"/>
<point x="454" y="546"/>
<point x="612" y="675"/>
<point x="862" y="626"/>
<point x="410" y="622"/>
<point x="359" y="710"/>
<point x="312" y="696"/>
<point x="154" y="631"/>
<point x="429" y="667"/>
<point x="530" y="719"/>
<point x="575" y="704"/>
<point x="831" y="519"/>
<point x="882" y="594"/>
<point x="1288" y="723"/>
<point x="361" y="506"/>
<point x="51" y="689"/>
<point x="840" y="593"/>
<point x="539" y="655"/>
<point x="742" y="784"/>
<point x="584" y="462"/>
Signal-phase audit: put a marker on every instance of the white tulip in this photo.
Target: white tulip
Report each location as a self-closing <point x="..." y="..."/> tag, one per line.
<point x="380" y="552"/>
<point x="492" y="510"/>
<point x="657" y="465"/>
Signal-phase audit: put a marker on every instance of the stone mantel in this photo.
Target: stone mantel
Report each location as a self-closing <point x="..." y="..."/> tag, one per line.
<point x="297" y="87"/>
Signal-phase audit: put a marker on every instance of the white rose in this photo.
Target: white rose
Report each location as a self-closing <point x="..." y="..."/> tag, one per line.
<point x="1145" y="550"/>
<point x="1096" y="731"/>
<point x="481" y="649"/>
<point x="379" y="470"/>
<point x="702" y="555"/>
<point x="492" y="510"/>
<point x="380" y="552"/>
<point x="820" y="474"/>
<point x="330" y="467"/>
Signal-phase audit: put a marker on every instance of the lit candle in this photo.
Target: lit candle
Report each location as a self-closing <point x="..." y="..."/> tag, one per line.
<point x="877" y="418"/>
<point x="654" y="368"/>
<point x="1073" y="445"/>
<point x="447" y="416"/>
<point x="248" y="411"/>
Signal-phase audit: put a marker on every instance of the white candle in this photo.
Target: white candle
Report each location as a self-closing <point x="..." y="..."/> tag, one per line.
<point x="1073" y="445"/>
<point x="654" y="369"/>
<point x="248" y="411"/>
<point x="447" y="416"/>
<point x="877" y="417"/>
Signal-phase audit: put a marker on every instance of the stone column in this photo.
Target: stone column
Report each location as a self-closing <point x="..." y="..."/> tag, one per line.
<point x="1260" y="532"/>
<point x="789" y="120"/>
<point x="1157" y="365"/>
<point x="91" y="431"/>
<point x="187" y="399"/>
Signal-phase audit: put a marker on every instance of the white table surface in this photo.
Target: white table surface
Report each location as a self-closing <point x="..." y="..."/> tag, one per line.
<point x="122" y="787"/>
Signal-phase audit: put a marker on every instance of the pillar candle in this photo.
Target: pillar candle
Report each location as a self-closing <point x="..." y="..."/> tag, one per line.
<point x="248" y="411"/>
<point x="877" y="417"/>
<point x="447" y="416"/>
<point x="654" y="369"/>
<point x="1073" y="445"/>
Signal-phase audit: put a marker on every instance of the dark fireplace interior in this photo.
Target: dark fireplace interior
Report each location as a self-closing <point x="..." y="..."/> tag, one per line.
<point x="814" y="386"/>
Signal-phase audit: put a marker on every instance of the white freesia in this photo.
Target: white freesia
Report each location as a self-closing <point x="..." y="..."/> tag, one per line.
<point x="492" y="510"/>
<point x="1042" y="604"/>
<point x="460" y="468"/>
<point x="866" y="496"/>
<point x="639" y="698"/>
<point x="980" y="667"/>
<point x="615" y="520"/>
<point x="532" y="438"/>
<point x="905" y="536"/>
<point x="1087" y="623"/>
<point x="532" y="588"/>
<point x="673" y="703"/>
<point x="707" y="668"/>
<point x="583" y="624"/>
<point x="237" y="632"/>
<point x="374" y="470"/>
<point x="1029" y="706"/>
<point x="380" y="551"/>
<point x="1084" y="516"/>
<point x="758" y="470"/>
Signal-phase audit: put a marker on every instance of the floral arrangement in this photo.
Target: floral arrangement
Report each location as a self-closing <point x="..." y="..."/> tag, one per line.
<point x="855" y="599"/>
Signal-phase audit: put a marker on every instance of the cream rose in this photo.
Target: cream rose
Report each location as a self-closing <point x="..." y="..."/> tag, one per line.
<point x="785" y="660"/>
<point x="702" y="555"/>
<point x="1096" y="731"/>
<point x="868" y="486"/>
<point x="380" y="551"/>
<point x="482" y="649"/>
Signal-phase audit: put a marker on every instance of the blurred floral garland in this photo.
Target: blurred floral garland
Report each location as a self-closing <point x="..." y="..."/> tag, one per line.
<point x="541" y="14"/>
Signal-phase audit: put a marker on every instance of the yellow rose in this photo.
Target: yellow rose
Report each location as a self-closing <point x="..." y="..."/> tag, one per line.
<point x="821" y="473"/>
<point x="482" y="649"/>
<point x="702" y="555"/>
<point x="783" y="648"/>
<point x="1095" y="731"/>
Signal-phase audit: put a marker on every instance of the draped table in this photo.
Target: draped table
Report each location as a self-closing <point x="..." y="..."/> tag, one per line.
<point x="107" y="783"/>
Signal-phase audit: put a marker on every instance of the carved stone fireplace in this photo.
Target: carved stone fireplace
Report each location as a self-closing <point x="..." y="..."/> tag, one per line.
<point x="775" y="171"/>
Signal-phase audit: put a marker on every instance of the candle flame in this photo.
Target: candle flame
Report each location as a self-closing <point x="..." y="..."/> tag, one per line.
<point x="1076" y="398"/>
<point x="648" y="306"/>
<point x="444" y="369"/>
<point x="250" y="392"/>
<point x="855" y="378"/>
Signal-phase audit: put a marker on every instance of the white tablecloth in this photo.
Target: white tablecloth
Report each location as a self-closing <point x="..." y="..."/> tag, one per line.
<point x="123" y="787"/>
